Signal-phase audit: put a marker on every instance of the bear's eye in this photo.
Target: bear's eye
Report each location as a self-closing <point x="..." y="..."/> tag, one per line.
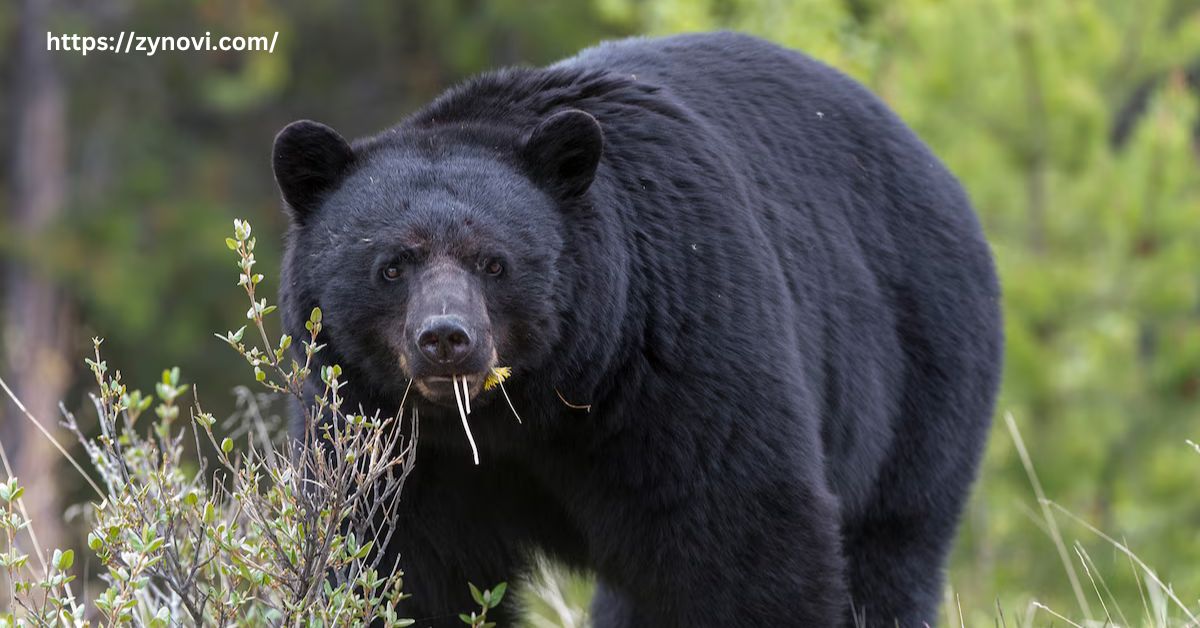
<point x="493" y="267"/>
<point x="391" y="272"/>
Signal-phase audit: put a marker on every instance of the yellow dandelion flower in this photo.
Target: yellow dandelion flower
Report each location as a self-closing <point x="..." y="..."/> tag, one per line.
<point x="497" y="375"/>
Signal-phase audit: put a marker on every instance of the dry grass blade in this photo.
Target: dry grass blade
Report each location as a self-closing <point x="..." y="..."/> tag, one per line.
<point x="1088" y="572"/>
<point x="1141" y="589"/>
<point x="50" y="437"/>
<point x="1040" y="606"/>
<point x="1104" y="585"/>
<point x="1192" y="621"/>
<point x="1051" y="524"/>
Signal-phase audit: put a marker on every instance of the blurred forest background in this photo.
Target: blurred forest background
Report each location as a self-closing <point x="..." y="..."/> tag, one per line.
<point x="1073" y="124"/>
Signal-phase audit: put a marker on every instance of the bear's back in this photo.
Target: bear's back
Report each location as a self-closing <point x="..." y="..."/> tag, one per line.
<point x="879" y="249"/>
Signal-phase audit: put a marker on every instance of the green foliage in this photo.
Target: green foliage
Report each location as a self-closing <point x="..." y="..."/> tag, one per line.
<point x="45" y="598"/>
<point x="280" y="532"/>
<point x="487" y="600"/>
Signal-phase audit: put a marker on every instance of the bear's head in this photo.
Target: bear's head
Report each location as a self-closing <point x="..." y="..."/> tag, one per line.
<point x="434" y="253"/>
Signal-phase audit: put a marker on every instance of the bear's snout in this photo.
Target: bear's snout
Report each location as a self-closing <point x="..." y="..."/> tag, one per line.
<point x="448" y="335"/>
<point x="444" y="340"/>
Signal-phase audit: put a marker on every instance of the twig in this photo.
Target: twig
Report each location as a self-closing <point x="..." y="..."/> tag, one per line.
<point x="50" y="437"/>
<point x="574" y="406"/>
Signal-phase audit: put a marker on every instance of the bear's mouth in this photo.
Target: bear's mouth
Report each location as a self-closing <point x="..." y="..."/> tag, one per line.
<point x="444" y="389"/>
<point x="463" y="388"/>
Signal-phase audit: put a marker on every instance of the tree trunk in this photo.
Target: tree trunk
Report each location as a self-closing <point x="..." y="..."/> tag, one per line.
<point x="34" y="316"/>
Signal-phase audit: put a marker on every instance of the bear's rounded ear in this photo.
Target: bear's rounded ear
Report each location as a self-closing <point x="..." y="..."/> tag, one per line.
<point x="563" y="151"/>
<point x="309" y="158"/>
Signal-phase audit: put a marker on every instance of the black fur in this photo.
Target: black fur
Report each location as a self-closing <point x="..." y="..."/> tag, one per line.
<point x="309" y="158"/>
<point x="776" y="302"/>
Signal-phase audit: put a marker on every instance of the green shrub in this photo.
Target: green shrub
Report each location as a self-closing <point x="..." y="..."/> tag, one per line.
<point x="276" y="531"/>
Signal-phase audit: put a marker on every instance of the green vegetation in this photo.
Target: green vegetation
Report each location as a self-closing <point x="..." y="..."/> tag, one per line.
<point x="280" y="532"/>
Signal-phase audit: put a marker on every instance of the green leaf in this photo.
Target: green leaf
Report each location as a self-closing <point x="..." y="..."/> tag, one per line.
<point x="231" y="243"/>
<point x="227" y="445"/>
<point x="498" y="594"/>
<point x="64" y="560"/>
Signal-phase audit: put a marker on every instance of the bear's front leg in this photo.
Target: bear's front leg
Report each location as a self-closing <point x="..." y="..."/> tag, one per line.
<point x="460" y="524"/>
<point x="749" y="544"/>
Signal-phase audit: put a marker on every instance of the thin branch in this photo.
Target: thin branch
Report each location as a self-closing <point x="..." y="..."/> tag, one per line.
<point x="50" y="437"/>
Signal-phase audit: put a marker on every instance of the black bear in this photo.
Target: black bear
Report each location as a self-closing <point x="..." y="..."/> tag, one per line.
<point x="752" y="323"/>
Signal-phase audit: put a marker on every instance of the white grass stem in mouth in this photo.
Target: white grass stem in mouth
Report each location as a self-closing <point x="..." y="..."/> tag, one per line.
<point x="466" y="395"/>
<point x="510" y="403"/>
<point x="463" y="414"/>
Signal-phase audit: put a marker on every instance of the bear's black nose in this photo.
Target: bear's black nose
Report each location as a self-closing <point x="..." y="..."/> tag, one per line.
<point x="444" y="339"/>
